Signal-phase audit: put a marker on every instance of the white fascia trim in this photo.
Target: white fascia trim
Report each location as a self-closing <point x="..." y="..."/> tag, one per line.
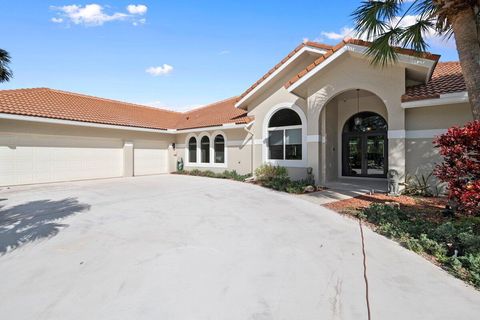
<point x="360" y="50"/>
<point x="317" y="68"/>
<point x="448" y="98"/>
<point x="80" y="123"/>
<point x="222" y="127"/>
<point x="276" y="72"/>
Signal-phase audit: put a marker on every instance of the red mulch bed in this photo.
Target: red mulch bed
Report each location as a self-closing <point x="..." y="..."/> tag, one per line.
<point x="431" y="207"/>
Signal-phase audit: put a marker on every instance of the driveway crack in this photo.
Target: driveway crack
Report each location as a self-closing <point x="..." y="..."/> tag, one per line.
<point x="367" y="298"/>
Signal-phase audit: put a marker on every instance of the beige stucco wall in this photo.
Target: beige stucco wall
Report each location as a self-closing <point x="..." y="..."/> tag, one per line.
<point x="423" y="124"/>
<point x="238" y="150"/>
<point x="438" y="117"/>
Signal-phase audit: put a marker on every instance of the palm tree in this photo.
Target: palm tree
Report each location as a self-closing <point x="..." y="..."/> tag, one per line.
<point x="386" y="23"/>
<point x="5" y="72"/>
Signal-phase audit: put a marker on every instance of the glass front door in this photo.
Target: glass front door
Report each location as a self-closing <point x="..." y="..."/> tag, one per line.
<point x="364" y="155"/>
<point x="375" y="155"/>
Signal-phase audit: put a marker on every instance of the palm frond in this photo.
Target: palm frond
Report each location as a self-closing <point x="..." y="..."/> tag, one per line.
<point x="412" y="36"/>
<point x="370" y="16"/>
<point x="382" y="49"/>
<point x="5" y="72"/>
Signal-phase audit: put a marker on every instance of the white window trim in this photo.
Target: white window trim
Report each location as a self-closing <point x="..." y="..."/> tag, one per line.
<point x="225" y="159"/>
<point x="187" y="149"/>
<point x="211" y="138"/>
<point x="285" y="163"/>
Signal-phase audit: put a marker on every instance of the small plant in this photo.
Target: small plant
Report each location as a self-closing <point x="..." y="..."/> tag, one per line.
<point x="421" y="185"/>
<point x="268" y="172"/>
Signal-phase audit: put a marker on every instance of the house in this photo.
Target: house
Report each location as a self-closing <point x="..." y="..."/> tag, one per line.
<point x="324" y="107"/>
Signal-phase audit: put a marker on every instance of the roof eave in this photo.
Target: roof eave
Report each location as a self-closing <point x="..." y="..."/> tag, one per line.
<point x="442" y="99"/>
<point x="305" y="75"/>
<point x="307" y="47"/>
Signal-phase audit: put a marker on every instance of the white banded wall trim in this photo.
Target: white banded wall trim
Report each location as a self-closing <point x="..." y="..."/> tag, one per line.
<point x="314" y="138"/>
<point x="396" y="134"/>
<point x="392" y="134"/>
<point x="425" y="134"/>
<point x="415" y="134"/>
<point x="230" y="143"/>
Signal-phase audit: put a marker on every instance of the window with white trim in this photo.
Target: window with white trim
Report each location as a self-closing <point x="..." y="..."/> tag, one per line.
<point x="285" y="136"/>
<point x="205" y="149"/>
<point x="219" y="148"/>
<point x="192" y="150"/>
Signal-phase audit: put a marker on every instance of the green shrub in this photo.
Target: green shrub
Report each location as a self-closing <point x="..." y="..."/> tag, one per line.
<point x="232" y="175"/>
<point x="268" y="172"/>
<point x="277" y="183"/>
<point x="297" y="186"/>
<point x="454" y="243"/>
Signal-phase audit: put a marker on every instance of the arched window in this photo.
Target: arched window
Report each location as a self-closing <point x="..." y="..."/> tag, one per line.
<point x="192" y="150"/>
<point x="205" y="150"/>
<point x="365" y="122"/>
<point x="285" y="136"/>
<point x="219" y="148"/>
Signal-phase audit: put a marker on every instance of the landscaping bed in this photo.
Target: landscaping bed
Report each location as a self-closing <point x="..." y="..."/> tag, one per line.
<point x="268" y="176"/>
<point x="420" y="224"/>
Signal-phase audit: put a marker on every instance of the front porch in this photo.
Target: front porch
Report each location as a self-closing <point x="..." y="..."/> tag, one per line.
<point x="355" y="149"/>
<point x="346" y="188"/>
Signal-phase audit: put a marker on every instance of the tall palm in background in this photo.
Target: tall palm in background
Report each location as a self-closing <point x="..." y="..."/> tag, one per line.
<point x="406" y="23"/>
<point x="5" y="71"/>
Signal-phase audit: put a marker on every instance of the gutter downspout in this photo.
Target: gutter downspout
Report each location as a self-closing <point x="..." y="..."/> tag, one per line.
<point x="246" y="128"/>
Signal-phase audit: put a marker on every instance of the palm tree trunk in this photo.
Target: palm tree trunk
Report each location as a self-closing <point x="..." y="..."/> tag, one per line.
<point x="467" y="39"/>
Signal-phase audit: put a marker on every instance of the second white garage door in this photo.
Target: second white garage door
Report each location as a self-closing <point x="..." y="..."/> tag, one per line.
<point x="150" y="157"/>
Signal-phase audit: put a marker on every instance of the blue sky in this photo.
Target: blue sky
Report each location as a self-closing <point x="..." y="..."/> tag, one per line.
<point x="195" y="52"/>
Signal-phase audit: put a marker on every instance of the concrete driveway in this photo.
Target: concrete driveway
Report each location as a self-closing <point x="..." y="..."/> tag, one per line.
<point x="178" y="247"/>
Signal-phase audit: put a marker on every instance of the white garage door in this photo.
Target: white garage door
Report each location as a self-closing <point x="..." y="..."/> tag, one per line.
<point x="26" y="158"/>
<point x="149" y="157"/>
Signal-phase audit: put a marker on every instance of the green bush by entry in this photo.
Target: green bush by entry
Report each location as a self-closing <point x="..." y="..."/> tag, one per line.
<point x="267" y="172"/>
<point x="276" y="177"/>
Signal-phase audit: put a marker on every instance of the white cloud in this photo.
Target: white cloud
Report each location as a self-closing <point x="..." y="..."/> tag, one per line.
<point x="95" y="15"/>
<point x="137" y="9"/>
<point x="224" y="52"/>
<point x="139" y="22"/>
<point x="160" y="70"/>
<point x="342" y="34"/>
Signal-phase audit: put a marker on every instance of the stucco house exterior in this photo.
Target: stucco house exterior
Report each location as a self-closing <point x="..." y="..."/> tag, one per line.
<point x="324" y="107"/>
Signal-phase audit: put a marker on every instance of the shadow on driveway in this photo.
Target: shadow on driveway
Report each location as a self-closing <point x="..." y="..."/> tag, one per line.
<point x="34" y="220"/>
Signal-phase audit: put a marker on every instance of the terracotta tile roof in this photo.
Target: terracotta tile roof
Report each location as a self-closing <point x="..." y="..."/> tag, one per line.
<point x="213" y="115"/>
<point x="56" y="104"/>
<point x="331" y="51"/>
<point x="283" y="61"/>
<point x="446" y="78"/>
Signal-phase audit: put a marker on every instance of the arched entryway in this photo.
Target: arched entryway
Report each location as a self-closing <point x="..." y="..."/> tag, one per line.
<point x="365" y="146"/>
